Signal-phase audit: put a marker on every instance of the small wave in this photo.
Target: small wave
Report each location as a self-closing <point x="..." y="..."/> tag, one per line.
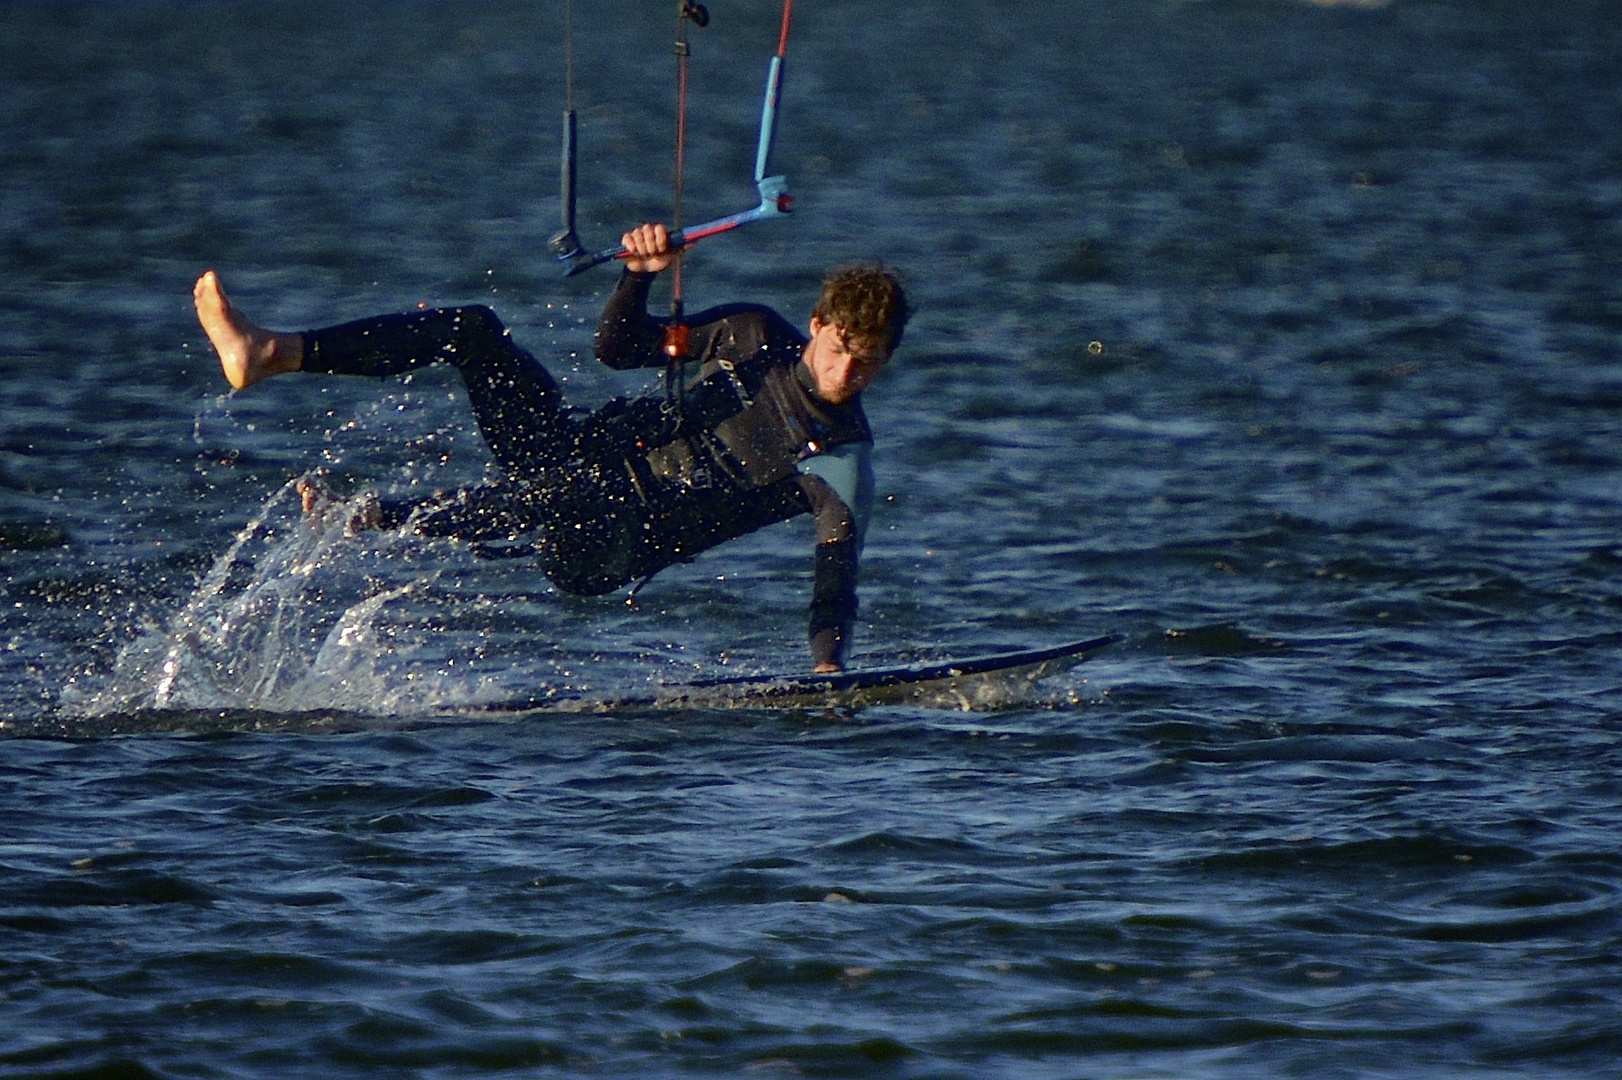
<point x="1219" y="640"/>
<point x="1363" y="857"/>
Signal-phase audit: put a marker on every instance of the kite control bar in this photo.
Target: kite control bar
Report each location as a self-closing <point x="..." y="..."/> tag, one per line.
<point x="774" y="196"/>
<point x="774" y="202"/>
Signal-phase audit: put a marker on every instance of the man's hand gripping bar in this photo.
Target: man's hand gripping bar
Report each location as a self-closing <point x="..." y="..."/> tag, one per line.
<point x="774" y="202"/>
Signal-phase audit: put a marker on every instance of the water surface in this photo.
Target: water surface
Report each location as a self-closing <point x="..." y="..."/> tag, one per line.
<point x="1283" y="338"/>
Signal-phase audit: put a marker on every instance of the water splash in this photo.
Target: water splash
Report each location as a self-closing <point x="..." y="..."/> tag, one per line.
<point x="305" y="610"/>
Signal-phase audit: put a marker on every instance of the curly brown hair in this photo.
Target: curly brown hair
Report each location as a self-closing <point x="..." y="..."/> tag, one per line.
<point x="867" y="301"/>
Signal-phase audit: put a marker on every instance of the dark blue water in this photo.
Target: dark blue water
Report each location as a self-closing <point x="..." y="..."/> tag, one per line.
<point x="1283" y="338"/>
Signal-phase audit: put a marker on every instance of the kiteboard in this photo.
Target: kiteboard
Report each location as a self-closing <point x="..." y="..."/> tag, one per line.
<point x="979" y="682"/>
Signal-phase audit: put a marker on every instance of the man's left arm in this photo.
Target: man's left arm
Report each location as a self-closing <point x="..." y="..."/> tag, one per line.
<point x="839" y="484"/>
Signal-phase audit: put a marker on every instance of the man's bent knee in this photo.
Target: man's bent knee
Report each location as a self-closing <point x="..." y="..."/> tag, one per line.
<point x="479" y="324"/>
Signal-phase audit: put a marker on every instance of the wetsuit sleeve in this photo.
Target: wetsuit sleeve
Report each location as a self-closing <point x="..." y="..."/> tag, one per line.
<point x="833" y="592"/>
<point x="627" y="336"/>
<point x="848" y="469"/>
<point x="833" y="602"/>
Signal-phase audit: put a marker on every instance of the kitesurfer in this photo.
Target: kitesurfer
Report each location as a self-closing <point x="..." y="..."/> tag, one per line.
<point x="769" y="426"/>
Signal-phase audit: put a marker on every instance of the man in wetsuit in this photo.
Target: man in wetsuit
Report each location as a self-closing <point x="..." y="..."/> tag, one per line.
<point x="769" y="426"/>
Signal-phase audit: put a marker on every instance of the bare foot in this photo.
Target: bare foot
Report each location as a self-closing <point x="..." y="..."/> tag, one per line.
<point x="248" y="352"/>
<point x="365" y="514"/>
<point x="314" y="492"/>
<point x="360" y="514"/>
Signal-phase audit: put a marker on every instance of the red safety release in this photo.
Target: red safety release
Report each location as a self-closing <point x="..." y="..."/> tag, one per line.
<point x="676" y="340"/>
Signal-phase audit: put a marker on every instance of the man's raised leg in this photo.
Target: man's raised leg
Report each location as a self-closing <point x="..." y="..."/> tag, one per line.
<point x="248" y="352"/>
<point x="517" y="404"/>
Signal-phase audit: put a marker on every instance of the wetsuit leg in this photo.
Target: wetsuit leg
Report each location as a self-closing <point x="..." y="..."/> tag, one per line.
<point x="507" y="510"/>
<point x="582" y="515"/>
<point x="585" y="528"/>
<point x="516" y="402"/>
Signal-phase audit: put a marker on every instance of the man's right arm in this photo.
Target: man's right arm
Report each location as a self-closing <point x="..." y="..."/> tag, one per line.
<point x="839" y="486"/>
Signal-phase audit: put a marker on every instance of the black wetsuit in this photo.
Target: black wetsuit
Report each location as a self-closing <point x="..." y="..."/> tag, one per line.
<point x="618" y="495"/>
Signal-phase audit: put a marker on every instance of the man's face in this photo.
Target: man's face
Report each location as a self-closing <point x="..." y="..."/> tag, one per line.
<point x="842" y="369"/>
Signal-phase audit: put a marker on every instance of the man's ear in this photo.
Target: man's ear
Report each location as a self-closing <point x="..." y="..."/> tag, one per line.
<point x="816" y="324"/>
